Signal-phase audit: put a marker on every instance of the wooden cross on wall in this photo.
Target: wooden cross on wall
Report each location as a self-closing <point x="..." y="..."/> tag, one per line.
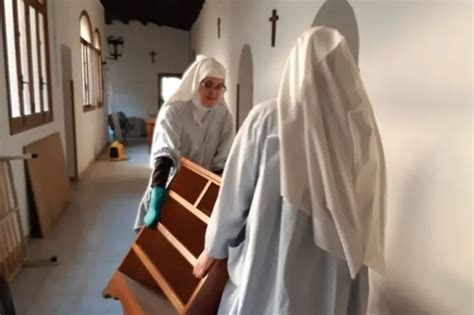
<point x="274" y="18"/>
<point x="218" y="27"/>
<point x="153" y="54"/>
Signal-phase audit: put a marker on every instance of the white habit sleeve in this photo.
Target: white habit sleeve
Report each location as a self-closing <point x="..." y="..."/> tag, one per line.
<point x="166" y="137"/>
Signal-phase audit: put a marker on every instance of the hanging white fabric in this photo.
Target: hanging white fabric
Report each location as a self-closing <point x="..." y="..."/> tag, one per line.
<point x="332" y="161"/>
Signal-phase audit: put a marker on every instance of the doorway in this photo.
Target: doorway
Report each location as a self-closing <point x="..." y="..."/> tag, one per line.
<point x="244" y="86"/>
<point x="167" y="85"/>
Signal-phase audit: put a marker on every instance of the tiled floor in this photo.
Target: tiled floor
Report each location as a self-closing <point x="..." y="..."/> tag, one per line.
<point x="89" y="240"/>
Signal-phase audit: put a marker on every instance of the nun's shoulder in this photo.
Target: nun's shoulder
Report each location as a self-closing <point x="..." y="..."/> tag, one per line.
<point x="179" y="106"/>
<point x="222" y="109"/>
<point x="264" y="111"/>
<point x="261" y="120"/>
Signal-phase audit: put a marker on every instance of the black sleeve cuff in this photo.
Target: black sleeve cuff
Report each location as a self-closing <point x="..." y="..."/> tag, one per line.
<point x="161" y="172"/>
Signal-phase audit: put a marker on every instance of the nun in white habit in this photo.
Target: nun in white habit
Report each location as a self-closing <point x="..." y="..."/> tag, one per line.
<point x="300" y="214"/>
<point x="194" y="123"/>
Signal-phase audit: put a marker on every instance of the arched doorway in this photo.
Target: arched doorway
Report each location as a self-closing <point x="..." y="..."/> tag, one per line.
<point x="244" y="86"/>
<point x="340" y="15"/>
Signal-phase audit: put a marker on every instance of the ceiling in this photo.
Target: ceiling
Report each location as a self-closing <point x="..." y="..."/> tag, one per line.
<point x="180" y="14"/>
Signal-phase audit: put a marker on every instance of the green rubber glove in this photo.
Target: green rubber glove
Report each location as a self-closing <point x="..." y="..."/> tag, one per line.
<point x="153" y="214"/>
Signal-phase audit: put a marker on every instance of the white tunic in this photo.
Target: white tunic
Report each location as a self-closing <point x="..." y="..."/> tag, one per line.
<point x="274" y="265"/>
<point x="181" y="130"/>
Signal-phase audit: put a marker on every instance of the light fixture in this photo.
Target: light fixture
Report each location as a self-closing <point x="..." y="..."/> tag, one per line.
<point x="115" y="45"/>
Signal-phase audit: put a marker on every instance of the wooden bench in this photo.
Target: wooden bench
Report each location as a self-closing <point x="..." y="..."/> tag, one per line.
<point x="155" y="276"/>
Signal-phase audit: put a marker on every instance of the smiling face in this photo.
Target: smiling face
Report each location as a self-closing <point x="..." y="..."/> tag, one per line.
<point x="210" y="91"/>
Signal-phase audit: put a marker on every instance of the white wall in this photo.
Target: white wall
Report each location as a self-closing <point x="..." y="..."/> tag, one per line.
<point x="63" y="26"/>
<point x="133" y="78"/>
<point x="416" y="63"/>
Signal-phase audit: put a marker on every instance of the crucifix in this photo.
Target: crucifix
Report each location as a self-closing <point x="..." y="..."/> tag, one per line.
<point x="273" y="19"/>
<point x="153" y="54"/>
<point x="218" y="27"/>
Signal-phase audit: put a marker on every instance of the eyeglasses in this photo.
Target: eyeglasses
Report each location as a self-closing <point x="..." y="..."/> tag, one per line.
<point x="209" y="85"/>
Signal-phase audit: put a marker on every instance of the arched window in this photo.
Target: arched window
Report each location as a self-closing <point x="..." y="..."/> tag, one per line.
<point x="86" y="27"/>
<point x="97" y="40"/>
<point x="87" y="53"/>
<point x="98" y="68"/>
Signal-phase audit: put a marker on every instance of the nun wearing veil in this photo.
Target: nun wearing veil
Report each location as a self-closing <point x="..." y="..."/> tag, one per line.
<point x="300" y="214"/>
<point x="193" y="123"/>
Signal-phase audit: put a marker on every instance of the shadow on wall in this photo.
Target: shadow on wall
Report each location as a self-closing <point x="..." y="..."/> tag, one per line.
<point x="339" y="14"/>
<point x="244" y="86"/>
